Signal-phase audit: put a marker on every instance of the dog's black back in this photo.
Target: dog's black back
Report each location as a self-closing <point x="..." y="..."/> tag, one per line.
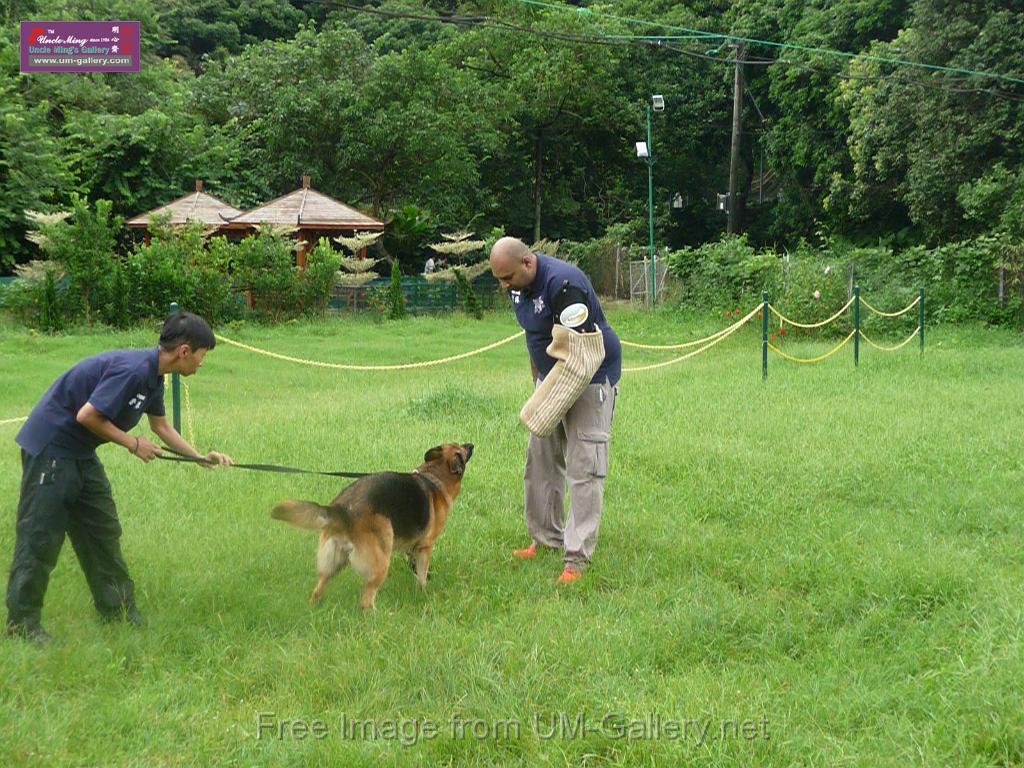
<point x="399" y="496"/>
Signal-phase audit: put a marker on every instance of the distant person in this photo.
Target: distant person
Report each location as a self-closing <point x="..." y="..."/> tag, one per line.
<point x="64" y="488"/>
<point x="570" y="413"/>
<point x="429" y="266"/>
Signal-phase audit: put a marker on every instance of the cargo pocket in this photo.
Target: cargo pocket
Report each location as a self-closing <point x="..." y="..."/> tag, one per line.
<point x="595" y="445"/>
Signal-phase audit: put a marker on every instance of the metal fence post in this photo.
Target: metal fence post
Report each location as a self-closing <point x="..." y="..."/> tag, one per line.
<point x="764" y="335"/>
<point x="920" y="317"/>
<point x="856" y="326"/>
<point x="175" y="389"/>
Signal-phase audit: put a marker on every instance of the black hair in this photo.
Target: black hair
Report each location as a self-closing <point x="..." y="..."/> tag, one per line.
<point x="186" y="328"/>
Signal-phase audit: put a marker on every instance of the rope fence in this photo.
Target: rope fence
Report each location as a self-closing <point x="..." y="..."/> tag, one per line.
<point x="817" y="359"/>
<point x="349" y="367"/>
<point x="822" y="324"/>
<point x="702" y="345"/>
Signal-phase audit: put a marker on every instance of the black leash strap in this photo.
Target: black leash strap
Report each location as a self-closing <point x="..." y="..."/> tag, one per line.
<point x="258" y="467"/>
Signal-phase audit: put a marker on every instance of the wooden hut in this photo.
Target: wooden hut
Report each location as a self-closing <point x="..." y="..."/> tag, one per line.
<point x="311" y="213"/>
<point x="195" y="206"/>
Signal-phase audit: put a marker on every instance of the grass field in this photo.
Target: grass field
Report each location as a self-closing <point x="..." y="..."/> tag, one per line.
<point x="824" y="569"/>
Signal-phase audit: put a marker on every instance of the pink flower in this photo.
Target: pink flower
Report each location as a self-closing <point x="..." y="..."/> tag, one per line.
<point x="816" y="295"/>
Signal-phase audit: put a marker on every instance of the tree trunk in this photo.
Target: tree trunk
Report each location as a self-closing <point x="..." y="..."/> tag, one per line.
<point x="538" y="168"/>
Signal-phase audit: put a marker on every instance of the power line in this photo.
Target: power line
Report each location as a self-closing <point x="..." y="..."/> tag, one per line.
<point x="659" y="41"/>
<point x="772" y="43"/>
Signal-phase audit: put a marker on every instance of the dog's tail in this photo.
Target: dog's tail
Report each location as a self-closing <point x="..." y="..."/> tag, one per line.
<point x="302" y="514"/>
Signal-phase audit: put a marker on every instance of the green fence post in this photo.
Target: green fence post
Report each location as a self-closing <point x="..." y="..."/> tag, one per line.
<point x="920" y="317"/>
<point x="175" y="389"/>
<point x="764" y="335"/>
<point x="856" y="326"/>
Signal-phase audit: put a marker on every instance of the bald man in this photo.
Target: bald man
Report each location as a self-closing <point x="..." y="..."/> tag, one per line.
<point x="546" y="292"/>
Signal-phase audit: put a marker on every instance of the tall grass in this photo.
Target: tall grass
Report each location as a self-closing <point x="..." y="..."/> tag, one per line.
<point x="822" y="569"/>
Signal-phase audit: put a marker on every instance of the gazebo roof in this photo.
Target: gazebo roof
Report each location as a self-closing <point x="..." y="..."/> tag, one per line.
<point x="308" y="208"/>
<point x="195" y="206"/>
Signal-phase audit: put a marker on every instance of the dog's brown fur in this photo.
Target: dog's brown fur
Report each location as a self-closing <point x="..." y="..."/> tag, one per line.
<point x="379" y="513"/>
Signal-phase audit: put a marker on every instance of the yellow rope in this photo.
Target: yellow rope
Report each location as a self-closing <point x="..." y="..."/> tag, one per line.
<point x="684" y="345"/>
<point x="723" y="335"/>
<point x="818" y="359"/>
<point x="892" y="349"/>
<point x="13" y="421"/>
<point x="343" y="367"/>
<point x="810" y="325"/>
<point x="190" y="435"/>
<point x="903" y="311"/>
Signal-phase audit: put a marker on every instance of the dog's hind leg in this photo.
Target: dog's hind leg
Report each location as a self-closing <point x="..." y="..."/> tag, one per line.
<point x="371" y="558"/>
<point x="331" y="556"/>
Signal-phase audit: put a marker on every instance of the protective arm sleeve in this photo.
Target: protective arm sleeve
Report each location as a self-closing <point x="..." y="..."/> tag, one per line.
<point x="577" y="356"/>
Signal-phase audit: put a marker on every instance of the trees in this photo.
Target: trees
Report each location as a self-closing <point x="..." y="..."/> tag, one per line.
<point x="524" y="117"/>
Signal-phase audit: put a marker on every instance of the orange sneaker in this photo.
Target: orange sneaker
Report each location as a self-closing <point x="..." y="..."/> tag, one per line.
<point x="526" y="552"/>
<point x="569" y="575"/>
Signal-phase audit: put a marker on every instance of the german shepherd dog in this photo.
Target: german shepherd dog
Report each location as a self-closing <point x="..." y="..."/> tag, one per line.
<point x="379" y="513"/>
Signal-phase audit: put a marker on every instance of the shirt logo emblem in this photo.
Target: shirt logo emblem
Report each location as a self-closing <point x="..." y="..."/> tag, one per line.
<point x="574" y="315"/>
<point x="538" y="305"/>
<point x="137" y="401"/>
<point x="515" y="296"/>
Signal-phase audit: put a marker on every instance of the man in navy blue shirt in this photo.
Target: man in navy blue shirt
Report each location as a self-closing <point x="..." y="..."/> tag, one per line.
<point x="64" y="489"/>
<point x="546" y="292"/>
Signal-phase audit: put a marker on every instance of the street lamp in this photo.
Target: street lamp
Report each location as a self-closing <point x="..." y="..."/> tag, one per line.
<point x="645" y="151"/>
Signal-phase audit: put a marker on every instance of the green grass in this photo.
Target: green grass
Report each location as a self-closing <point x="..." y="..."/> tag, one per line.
<point x="835" y="556"/>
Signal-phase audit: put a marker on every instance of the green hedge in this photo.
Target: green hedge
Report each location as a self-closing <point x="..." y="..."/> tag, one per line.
<point x="960" y="279"/>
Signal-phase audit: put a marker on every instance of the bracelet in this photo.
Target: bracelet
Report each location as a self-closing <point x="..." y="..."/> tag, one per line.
<point x="135" y="451"/>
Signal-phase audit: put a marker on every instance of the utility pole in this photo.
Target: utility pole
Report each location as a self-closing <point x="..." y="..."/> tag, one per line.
<point x="734" y="157"/>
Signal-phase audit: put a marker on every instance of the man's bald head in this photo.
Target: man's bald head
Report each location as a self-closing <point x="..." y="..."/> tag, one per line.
<point x="513" y="263"/>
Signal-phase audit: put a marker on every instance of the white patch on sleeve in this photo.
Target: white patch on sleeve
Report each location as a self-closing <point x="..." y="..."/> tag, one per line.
<point x="574" y="315"/>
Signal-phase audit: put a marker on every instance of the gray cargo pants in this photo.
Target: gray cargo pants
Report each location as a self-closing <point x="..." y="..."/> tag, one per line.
<point x="577" y="453"/>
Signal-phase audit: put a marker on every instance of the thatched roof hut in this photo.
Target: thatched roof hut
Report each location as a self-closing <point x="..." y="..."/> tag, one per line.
<point x="311" y="213"/>
<point x="195" y="206"/>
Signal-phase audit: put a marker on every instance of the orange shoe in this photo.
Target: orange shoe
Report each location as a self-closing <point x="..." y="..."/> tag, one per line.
<point x="569" y="575"/>
<point x="526" y="552"/>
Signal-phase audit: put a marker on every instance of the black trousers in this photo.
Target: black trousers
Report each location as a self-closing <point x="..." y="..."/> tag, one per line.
<point x="66" y="496"/>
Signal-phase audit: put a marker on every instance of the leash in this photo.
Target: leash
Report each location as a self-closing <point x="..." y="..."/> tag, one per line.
<point x="178" y="456"/>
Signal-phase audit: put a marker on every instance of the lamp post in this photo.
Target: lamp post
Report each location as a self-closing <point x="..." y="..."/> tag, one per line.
<point x="645" y="150"/>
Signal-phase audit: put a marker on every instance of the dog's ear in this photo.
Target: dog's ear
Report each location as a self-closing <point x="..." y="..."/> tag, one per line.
<point x="457" y="465"/>
<point x="433" y="454"/>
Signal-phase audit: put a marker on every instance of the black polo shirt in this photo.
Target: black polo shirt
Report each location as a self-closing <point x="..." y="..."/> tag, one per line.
<point x="561" y="293"/>
<point x="121" y="385"/>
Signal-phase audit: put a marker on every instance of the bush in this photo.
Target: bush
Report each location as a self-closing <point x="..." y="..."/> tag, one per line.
<point x="960" y="280"/>
<point x="395" y="296"/>
<point x="317" y="280"/>
<point x="263" y="265"/>
<point x="728" y="272"/>
<point x="39" y="300"/>
<point x="83" y="246"/>
<point x="470" y="301"/>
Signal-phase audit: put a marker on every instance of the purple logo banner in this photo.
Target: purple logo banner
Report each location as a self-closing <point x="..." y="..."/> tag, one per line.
<point x="80" y="46"/>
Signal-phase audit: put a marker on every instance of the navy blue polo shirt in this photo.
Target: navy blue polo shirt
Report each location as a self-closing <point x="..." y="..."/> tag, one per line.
<point x="122" y="385"/>
<point x="538" y="306"/>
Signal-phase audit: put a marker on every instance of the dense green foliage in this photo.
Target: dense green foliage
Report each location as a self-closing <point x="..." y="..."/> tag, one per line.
<point x="524" y="118"/>
<point x="957" y="278"/>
